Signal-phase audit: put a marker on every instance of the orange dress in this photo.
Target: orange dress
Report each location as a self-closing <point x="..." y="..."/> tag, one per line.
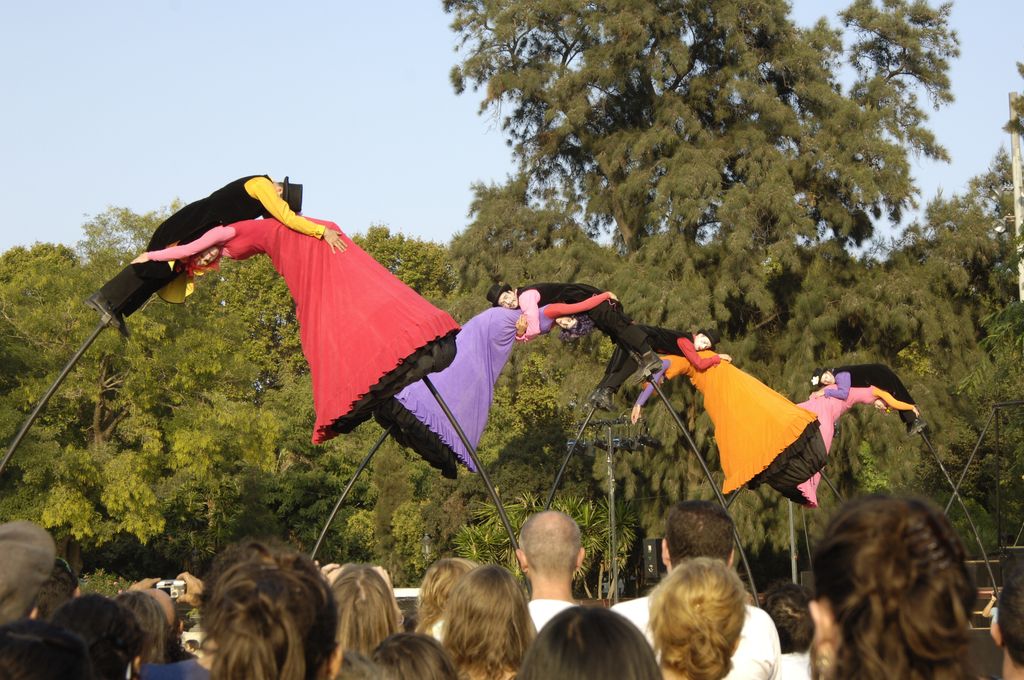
<point x="754" y="424"/>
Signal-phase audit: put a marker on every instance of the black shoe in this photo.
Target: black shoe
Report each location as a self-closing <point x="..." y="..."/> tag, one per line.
<point x="650" y="363"/>
<point x="601" y="398"/>
<point x="917" y="427"/>
<point x="108" y="316"/>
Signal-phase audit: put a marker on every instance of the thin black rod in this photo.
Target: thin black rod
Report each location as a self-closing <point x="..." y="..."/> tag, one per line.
<point x="999" y="506"/>
<point x="732" y="497"/>
<point x="711" y="481"/>
<point x="832" y="486"/>
<point x="568" y="455"/>
<point x="970" y="459"/>
<point x="476" y="461"/>
<point x="613" y="571"/>
<point x="792" y="543"/>
<point x="807" y="538"/>
<point x="963" y="506"/>
<point x="348" y="487"/>
<point x="49" y="393"/>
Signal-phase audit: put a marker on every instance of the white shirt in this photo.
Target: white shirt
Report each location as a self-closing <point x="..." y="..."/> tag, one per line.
<point x="796" y="666"/>
<point x="757" y="656"/>
<point x="542" y="611"/>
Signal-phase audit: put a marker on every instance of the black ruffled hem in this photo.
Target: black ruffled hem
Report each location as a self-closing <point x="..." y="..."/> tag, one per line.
<point x="409" y="431"/>
<point x="795" y="465"/>
<point x="434" y="356"/>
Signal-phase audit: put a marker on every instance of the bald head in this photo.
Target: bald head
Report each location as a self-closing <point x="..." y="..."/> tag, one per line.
<point x="165" y="602"/>
<point x="550" y="541"/>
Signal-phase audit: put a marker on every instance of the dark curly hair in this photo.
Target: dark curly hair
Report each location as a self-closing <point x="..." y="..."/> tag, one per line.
<point x="892" y="571"/>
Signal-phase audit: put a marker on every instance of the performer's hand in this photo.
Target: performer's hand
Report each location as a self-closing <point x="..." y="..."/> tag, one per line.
<point x="726" y="358"/>
<point x="634" y="415"/>
<point x="613" y="296"/>
<point x="818" y="393"/>
<point x="333" y="239"/>
<point x="521" y="325"/>
<point x="144" y="257"/>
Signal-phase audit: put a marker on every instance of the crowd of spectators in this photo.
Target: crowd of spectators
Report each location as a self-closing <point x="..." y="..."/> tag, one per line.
<point x="892" y="599"/>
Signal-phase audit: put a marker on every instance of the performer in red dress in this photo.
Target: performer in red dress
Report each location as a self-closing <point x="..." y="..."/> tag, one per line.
<point x="365" y="334"/>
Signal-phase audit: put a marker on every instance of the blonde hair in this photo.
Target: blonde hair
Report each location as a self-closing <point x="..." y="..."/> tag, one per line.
<point x="436" y="587"/>
<point x="487" y="626"/>
<point x="697" y="614"/>
<point x="367" y="610"/>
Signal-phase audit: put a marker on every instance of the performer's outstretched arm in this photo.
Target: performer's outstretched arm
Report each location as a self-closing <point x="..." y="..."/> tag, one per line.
<point x="892" y="402"/>
<point x="557" y="309"/>
<point x="649" y="389"/>
<point x="264" y="191"/>
<point x="214" y="237"/>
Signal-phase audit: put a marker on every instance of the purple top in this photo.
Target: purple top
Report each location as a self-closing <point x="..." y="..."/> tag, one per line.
<point x="841" y="390"/>
<point x="467" y="385"/>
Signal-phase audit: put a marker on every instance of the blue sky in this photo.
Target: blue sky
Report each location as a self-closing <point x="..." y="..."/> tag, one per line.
<point x="135" y="104"/>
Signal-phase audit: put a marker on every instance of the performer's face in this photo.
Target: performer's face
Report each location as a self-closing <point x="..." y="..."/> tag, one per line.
<point x="701" y="342"/>
<point x="207" y="257"/>
<point x="508" y="300"/>
<point x="566" y="322"/>
<point x="827" y="378"/>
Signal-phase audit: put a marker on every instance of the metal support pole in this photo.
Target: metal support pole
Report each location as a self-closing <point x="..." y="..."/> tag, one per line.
<point x="831" y="485"/>
<point x="568" y="455"/>
<point x="1018" y="191"/>
<point x="613" y="570"/>
<point x="792" y="543"/>
<point x="49" y="393"/>
<point x="970" y="459"/>
<point x="711" y="481"/>
<point x="476" y="461"/>
<point x="963" y="506"/>
<point x="348" y="487"/>
<point x="999" y="511"/>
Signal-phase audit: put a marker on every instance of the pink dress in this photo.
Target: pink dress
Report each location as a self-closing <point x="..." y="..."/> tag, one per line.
<point x="357" y="321"/>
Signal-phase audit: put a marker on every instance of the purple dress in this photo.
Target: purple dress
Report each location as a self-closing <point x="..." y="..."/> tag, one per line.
<point x="467" y="387"/>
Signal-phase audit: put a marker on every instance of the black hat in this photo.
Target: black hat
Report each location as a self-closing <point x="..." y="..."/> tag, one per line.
<point x="495" y="292"/>
<point x="292" y="195"/>
<point x="711" y="334"/>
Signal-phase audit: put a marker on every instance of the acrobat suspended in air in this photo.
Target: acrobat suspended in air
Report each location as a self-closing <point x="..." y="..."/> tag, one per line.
<point x="467" y="385"/>
<point x="364" y="333"/>
<point x="836" y="382"/>
<point x="830" y="408"/>
<point x="762" y="437"/>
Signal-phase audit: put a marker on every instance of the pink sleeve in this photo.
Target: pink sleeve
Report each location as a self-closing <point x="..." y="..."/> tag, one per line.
<point x="215" y="236"/>
<point x="528" y="302"/>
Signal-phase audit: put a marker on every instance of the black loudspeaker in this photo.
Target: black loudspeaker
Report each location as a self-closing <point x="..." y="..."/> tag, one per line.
<point x="654" y="569"/>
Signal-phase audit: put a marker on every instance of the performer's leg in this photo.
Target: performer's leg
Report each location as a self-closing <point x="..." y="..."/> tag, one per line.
<point x="135" y="284"/>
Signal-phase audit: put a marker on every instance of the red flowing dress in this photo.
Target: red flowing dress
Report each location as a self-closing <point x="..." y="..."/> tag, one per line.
<point x="364" y="333"/>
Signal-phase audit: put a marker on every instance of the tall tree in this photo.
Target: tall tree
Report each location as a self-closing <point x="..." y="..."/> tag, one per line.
<point x="714" y="120"/>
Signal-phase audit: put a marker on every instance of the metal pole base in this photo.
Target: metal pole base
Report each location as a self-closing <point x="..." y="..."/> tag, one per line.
<point x="344" y="494"/>
<point x="568" y="455"/>
<point x="49" y="393"/>
<point x="476" y="461"/>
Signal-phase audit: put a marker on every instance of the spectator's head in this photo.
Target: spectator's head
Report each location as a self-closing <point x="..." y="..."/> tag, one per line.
<point x="697" y="529"/>
<point x="152" y="622"/>
<point x="58" y="589"/>
<point x="436" y="587"/>
<point x="355" y="666"/>
<point x="110" y="631"/>
<point x="787" y="604"/>
<point x="697" y="614"/>
<point x="272" y="616"/>
<point x="487" y="624"/>
<point x="1008" y="629"/>
<point x="589" y="643"/>
<point x="28" y="554"/>
<point x="367" y="609"/>
<point x="410" y="655"/>
<point x="892" y="594"/>
<point x="549" y="547"/>
<point x="36" y="650"/>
